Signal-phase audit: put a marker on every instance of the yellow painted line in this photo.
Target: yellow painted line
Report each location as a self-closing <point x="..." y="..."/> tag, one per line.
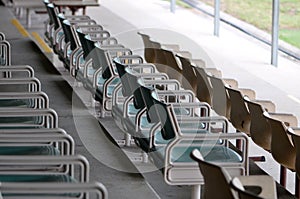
<point x="20" y="28"/>
<point x="41" y="42"/>
<point x="294" y="98"/>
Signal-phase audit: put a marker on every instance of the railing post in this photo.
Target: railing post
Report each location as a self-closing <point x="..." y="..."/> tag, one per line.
<point x="172" y="5"/>
<point x="275" y="29"/>
<point x="217" y="18"/>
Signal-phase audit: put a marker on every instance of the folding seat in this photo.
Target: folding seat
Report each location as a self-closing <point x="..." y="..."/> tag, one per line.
<point x="87" y="69"/>
<point x="124" y="108"/>
<point x="72" y="47"/>
<point x="68" y="42"/>
<point x="260" y="130"/>
<point x="220" y="98"/>
<point x="94" y="190"/>
<point x="53" y="29"/>
<point x="184" y="106"/>
<point x="106" y="77"/>
<point x="218" y="183"/>
<point x="187" y="133"/>
<point x="149" y="48"/>
<point x="282" y="149"/>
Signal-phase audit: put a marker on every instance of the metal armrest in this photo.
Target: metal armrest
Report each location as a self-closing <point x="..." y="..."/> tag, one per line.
<point x="54" y="189"/>
<point x="188" y="172"/>
<point x="18" y="68"/>
<point x="51" y="120"/>
<point x="97" y="33"/>
<point x="88" y="27"/>
<point x="48" y="132"/>
<point x="22" y="165"/>
<point x="86" y="66"/>
<point x="75" y="55"/>
<point x="6" y="44"/>
<point x="140" y="67"/>
<point x="106" y="41"/>
<point x="66" y="49"/>
<point x="178" y="94"/>
<point x="2" y="36"/>
<point x="166" y="83"/>
<point x="203" y="106"/>
<point x="55" y="137"/>
<point x="116" y="95"/>
<point x="41" y="98"/>
<point x="34" y="83"/>
<point x="112" y="46"/>
<point x="131" y="59"/>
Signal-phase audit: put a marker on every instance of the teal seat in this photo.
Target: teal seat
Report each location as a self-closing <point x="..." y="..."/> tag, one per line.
<point x="28" y="150"/>
<point x="217" y="153"/>
<point x="16" y="103"/>
<point x="21" y="120"/>
<point x="36" y="178"/>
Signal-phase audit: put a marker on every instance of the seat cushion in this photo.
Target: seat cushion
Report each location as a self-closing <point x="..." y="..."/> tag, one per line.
<point x="36" y="178"/>
<point x="28" y="150"/>
<point x="211" y="153"/>
<point x="16" y="103"/>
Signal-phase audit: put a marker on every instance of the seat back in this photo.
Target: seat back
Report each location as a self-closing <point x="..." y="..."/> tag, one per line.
<point x="282" y="148"/>
<point x="260" y="130"/>
<point x="166" y="117"/>
<point x="239" y="114"/>
<point x="189" y="79"/>
<point x="148" y="102"/>
<point x="149" y="53"/>
<point x="220" y="98"/>
<point x="134" y="86"/>
<point x="52" y="11"/>
<point x="216" y="179"/>
<point x="126" y="91"/>
<point x="68" y="32"/>
<point x="204" y="88"/>
<point x="102" y="58"/>
<point x="84" y="44"/>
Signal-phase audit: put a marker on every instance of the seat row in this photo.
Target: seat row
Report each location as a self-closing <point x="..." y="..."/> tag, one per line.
<point x="37" y="158"/>
<point x="276" y="133"/>
<point x="150" y="102"/>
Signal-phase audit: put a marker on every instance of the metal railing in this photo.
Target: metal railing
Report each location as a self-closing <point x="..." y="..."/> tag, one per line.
<point x="217" y="19"/>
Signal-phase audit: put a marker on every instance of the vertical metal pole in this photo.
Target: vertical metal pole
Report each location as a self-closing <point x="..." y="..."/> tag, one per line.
<point x="275" y="29"/>
<point x="196" y="192"/>
<point x="217" y="18"/>
<point x="172" y="6"/>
